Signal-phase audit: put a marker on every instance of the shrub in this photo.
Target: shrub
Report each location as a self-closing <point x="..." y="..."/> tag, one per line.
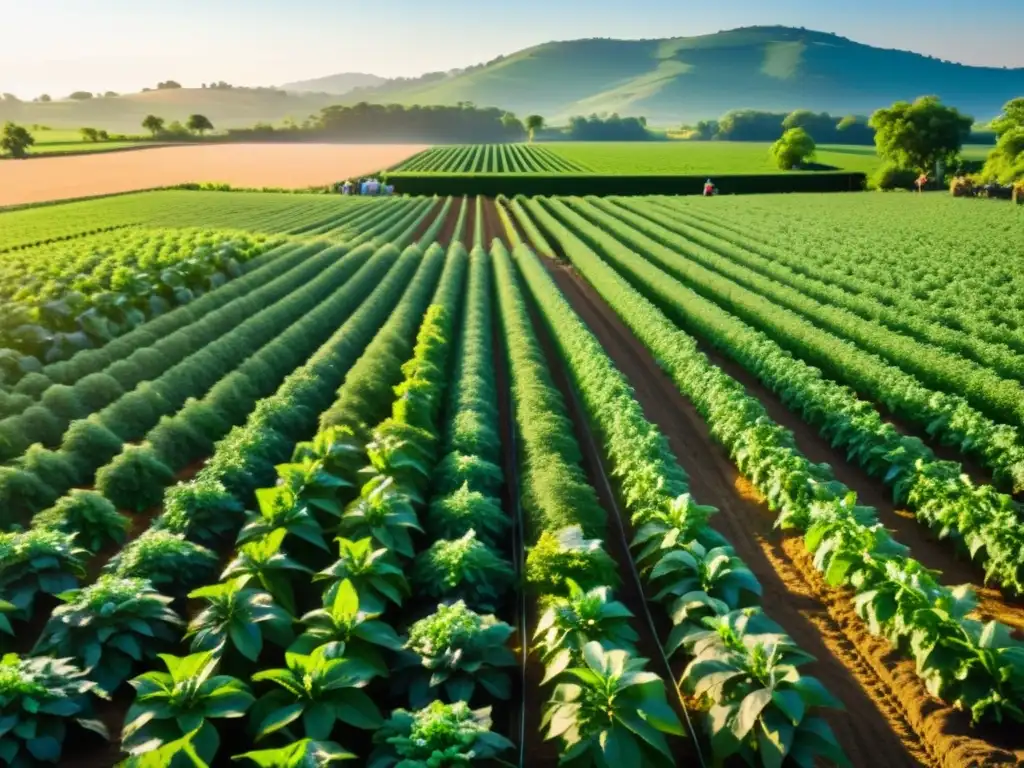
<point x="22" y="494"/>
<point x="98" y="390"/>
<point x="890" y="176"/>
<point x="90" y="445"/>
<point x="451" y="516"/>
<point x="558" y="557"/>
<point x="110" y="627"/>
<point x="238" y="617"/>
<point x="126" y="373"/>
<point x="204" y="419"/>
<point x="166" y="559"/>
<point x="63" y="401"/>
<point x="11" y="404"/>
<point x="135" y="479"/>
<point x="202" y="510"/>
<point x="472" y="433"/>
<point x="38" y="560"/>
<point x="54" y="468"/>
<point x="33" y="385"/>
<point x="40" y="424"/>
<point x="133" y="415"/>
<point x="177" y="444"/>
<point x="457" y="469"/>
<point x="465" y="569"/>
<point x="89" y="515"/>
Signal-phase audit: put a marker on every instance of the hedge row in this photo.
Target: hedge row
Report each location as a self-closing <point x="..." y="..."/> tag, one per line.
<point x="510" y="184"/>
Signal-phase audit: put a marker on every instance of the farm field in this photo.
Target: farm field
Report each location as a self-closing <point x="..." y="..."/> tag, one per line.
<point x="636" y="158"/>
<point x="750" y="467"/>
<point x="253" y="165"/>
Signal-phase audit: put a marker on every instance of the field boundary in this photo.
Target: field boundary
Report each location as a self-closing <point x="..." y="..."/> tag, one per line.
<point x="576" y="184"/>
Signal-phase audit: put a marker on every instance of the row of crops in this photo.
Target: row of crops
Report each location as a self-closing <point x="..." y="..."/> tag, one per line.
<point x="351" y="503"/>
<point x="489" y="158"/>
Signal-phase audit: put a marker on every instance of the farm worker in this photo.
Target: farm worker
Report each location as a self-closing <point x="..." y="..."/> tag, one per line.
<point x="921" y="181"/>
<point x="709" y="188"/>
<point x="389" y="189"/>
<point x="346" y="188"/>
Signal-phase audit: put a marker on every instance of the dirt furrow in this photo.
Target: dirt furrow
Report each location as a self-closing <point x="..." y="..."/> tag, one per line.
<point x="446" y="235"/>
<point x="874" y="722"/>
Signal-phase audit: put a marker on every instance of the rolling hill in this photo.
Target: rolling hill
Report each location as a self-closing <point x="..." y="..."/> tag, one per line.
<point x="335" y="84"/>
<point x="691" y="78"/>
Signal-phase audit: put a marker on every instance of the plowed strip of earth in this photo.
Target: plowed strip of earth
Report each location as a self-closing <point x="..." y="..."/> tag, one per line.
<point x="890" y="720"/>
<point x="246" y="165"/>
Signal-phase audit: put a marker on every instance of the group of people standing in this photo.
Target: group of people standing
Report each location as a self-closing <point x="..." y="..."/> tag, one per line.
<point x="365" y="187"/>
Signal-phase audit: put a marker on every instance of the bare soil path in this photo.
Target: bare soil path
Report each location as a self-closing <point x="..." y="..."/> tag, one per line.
<point x="247" y="165"/>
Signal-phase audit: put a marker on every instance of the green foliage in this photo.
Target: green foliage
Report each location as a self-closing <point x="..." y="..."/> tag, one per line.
<point x="374" y="572"/>
<point x="38" y="561"/>
<point x="464" y="569"/>
<point x="280" y="510"/>
<point x="565" y="555"/>
<point x="455" y="514"/>
<point x="457" y="469"/>
<point x="110" y="628"/>
<point x="921" y="134"/>
<point x="39" y="699"/>
<point x="793" y="149"/>
<point x="438" y="735"/>
<point x="304" y="753"/>
<point x="135" y="479"/>
<point x="167" y="559"/>
<point x="21" y="495"/>
<point x="54" y="468"/>
<point x="90" y="445"/>
<point x="202" y="510"/>
<point x="237" y="616"/>
<point x="187" y="698"/>
<point x="384" y="513"/>
<point x="95" y="522"/>
<point x="16" y="140"/>
<point x="716" y="572"/>
<point x="891" y="176"/>
<point x="262" y="562"/>
<point x="453" y="651"/>
<point x="315" y="691"/>
<point x="613" y="712"/>
<point x="359" y="635"/>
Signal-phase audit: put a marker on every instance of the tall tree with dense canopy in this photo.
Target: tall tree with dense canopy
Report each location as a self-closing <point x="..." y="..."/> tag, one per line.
<point x="199" y="124"/>
<point x="919" y="136"/>
<point x="534" y="123"/>
<point x="15" y="140"/>
<point x="153" y="124"/>
<point x="795" y="148"/>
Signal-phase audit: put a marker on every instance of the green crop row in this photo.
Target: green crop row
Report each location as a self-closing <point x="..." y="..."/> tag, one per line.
<point x="488" y="158"/>
<point x="690" y="568"/>
<point x="976" y="666"/>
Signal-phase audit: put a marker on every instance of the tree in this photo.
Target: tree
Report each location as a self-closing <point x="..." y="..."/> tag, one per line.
<point x="89" y="134"/>
<point x="168" y="85"/>
<point x="847" y="123"/>
<point x="45" y="98"/>
<point x="795" y="148"/>
<point x="922" y="135"/>
<point x="80" y="96"/>
<point x="11" y="97"/>
<point x="199" y="124"/>
<point x="534" y="123"/>
<point x="110" y="95"/>
<point x="153" y="124"/>
<point x="1011" y="118"/>
<point x="15" y="140"/>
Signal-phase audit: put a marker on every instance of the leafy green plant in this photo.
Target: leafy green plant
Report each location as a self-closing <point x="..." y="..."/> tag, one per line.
<point x="239" y="617"/>
<point x="612" y="713"/>
<point x="762" y="708"/>
<point x="186" y="698"/>
<point x="304" y="753"/>
<point x="404" y="453"/>
<point x="457" y="469"/>
<point x="454" y="650"/>
<point x="262" y="561"/>
<point x="374" y="572"/>
<point x="22" y="494"/>
<point x="314" y="486"/>
<point x="321" y="688"/>
<point x="202" y="509"/>
<point x="38" y="561"/>
<point x="451" y="516"/>
<point x="110" y="627"/>
<point x="361" y="635"/>
<point x="39" y="699"/>
<point x="682" y="521"/>
<point x="385" y="513"/>
<point x="464" y="569"/>
<point x="135" y="479"/>
<point x="436" y="736"/>
<point x="716" y="572"/>
<point x="557" y="557"/>
<point x="569" y="623"/>
<point x="90" y="515"/>
<point x="280" y="509"/>
<point x="168" y="560"/>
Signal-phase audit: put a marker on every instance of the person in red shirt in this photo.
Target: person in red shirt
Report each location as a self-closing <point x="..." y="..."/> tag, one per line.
<point x="709" y="189"/>
<point x="921" y="181"/>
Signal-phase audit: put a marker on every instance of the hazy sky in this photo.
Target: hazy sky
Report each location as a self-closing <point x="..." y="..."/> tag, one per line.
<point x="57" y="46"/>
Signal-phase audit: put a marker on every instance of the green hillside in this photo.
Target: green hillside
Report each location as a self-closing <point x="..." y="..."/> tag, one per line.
<point x="690" y="78"/>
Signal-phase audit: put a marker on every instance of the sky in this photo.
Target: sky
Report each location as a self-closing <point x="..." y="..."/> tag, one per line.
<point x="59" y="46"/>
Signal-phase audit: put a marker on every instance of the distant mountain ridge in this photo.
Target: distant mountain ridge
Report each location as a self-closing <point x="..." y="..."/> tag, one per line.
<point x="335" y="84"/>
<point x="690" y="78"/>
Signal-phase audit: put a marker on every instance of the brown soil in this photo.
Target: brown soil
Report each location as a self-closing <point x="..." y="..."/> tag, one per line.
<point x="426" y="223"/>
<point x="445" y="236"/>
<point x="493" y="228"/>
<point x="881" y="717"/>
<point x="247" y="165"/>
<point x="469" y="224"/>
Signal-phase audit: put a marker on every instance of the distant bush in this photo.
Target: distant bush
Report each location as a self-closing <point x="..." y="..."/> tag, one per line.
<point x="890" y="176"/>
